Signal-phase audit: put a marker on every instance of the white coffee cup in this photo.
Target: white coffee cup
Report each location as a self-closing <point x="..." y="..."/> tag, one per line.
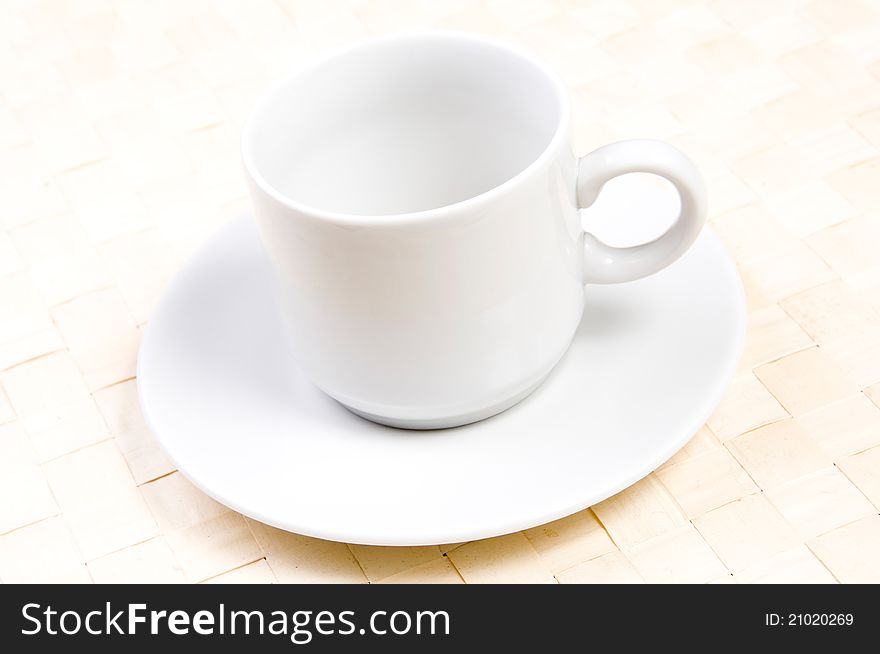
<point x="418" y="197"/>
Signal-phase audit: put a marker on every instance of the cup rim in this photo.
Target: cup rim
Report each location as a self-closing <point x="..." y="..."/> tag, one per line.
<point x="423" y="215"/>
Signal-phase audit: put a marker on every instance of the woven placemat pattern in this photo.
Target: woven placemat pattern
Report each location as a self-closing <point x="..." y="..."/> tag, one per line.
<point x="119" y="154"/>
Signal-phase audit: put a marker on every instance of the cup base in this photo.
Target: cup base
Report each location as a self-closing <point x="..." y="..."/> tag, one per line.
<point x="450" y="421"/>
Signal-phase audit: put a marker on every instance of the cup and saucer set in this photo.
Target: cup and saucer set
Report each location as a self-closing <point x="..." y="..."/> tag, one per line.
<point x="414" y="340"/>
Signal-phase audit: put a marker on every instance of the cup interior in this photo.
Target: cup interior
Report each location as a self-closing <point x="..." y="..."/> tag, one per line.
<point x="403" y="125"/>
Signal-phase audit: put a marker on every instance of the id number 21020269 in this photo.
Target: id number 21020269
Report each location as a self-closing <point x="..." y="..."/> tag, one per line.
<point x="809" y="619"/>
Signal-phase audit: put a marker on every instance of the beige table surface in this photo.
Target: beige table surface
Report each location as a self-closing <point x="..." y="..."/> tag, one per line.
<point x="118" y="156"/>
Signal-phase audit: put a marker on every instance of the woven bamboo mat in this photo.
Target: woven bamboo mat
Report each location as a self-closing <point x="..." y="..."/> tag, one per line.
<point x="119" y="155"/>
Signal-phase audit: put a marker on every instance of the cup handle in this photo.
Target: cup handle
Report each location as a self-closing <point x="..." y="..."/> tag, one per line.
<point x="604" y="264"/>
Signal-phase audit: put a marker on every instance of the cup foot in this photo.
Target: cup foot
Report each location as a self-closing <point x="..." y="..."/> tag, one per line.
<point x="451" y="421"/>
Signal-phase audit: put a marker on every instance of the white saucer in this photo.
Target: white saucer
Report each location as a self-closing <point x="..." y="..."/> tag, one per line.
<point x="226" y="401"/>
